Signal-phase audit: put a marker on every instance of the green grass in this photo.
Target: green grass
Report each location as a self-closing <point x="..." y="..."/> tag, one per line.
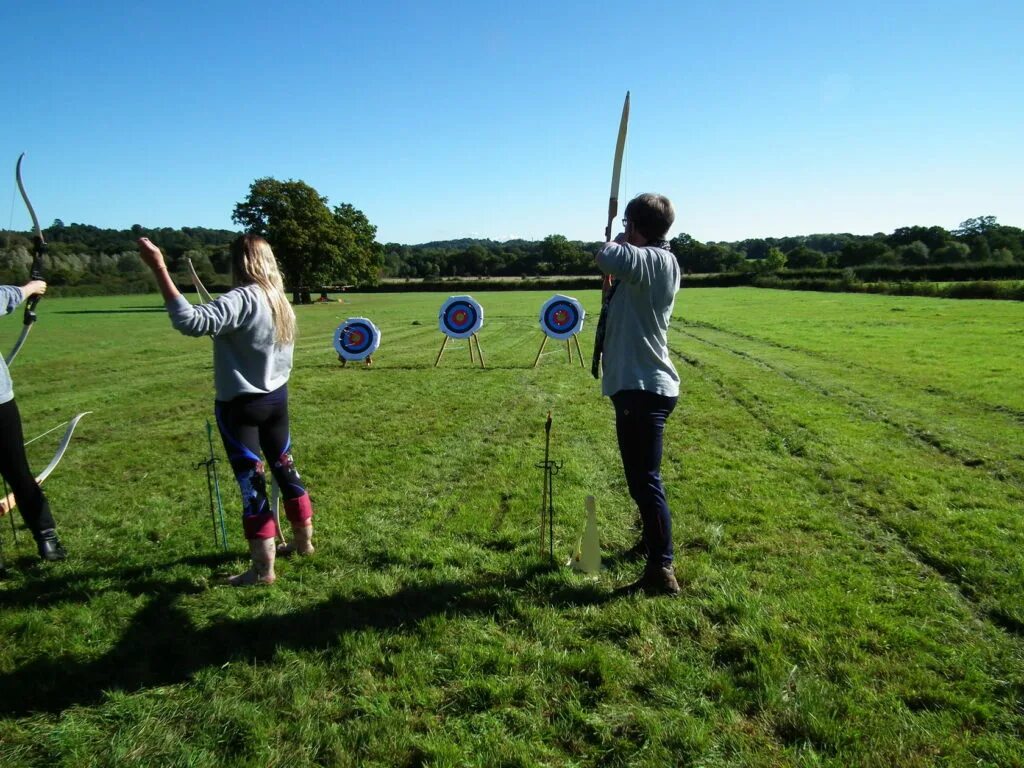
<point x="846" y="474"/>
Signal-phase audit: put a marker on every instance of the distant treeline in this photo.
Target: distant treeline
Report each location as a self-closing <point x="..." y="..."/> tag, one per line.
<point x="978" y="240"/>
<point x="83" y="259"/>
<point x="87" y="259"/>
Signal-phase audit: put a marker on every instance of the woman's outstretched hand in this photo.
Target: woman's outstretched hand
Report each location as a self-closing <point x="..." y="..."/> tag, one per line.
<point x="153" y="259"/>
<point x="151" y="255"/>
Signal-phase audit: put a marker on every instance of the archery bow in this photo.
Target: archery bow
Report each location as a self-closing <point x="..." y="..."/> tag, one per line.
<point x="203" y="293"/>
<point x="36" y="273"/>
<point x="613" y="211"/>
<point x="620" y="148"/>
<point x="39" y="248"/>
<point x="8" y="503"/>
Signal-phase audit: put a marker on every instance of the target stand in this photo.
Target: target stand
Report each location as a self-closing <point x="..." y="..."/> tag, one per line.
<point x="356" y="339"/>
<point x="561" y="318"/>
<point x="568" y="349"/>
<point x="474" y="339"/>
<point x="461" y="317"/>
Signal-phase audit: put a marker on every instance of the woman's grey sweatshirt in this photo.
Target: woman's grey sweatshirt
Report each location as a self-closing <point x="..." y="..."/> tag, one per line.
<point x="246" y="359"/>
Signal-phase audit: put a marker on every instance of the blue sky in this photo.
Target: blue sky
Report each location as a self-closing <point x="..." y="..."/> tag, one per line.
<point x="473" y="119"/>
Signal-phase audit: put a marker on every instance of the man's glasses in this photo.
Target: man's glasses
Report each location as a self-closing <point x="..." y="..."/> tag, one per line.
<point x="625" y="222"/>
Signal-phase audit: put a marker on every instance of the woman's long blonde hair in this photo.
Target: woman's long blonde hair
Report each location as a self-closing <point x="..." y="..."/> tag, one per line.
<point x="254" y="263"/>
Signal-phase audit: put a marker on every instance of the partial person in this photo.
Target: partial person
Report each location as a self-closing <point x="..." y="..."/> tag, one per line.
<point x="31" y="501"/>
<point x="639" y="376"/>
<point x="253" y="330"/>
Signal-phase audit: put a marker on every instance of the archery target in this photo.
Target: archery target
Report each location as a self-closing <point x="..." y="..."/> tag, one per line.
<point x="460" y="317"/>
<point x="356" y="339"/>
<point x="561" y="317"/>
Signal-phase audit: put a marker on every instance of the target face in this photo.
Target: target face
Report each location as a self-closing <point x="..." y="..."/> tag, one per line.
<point x="356" y="339"/>
<point x="460" y="317"/>
<point x="561" y="317"/>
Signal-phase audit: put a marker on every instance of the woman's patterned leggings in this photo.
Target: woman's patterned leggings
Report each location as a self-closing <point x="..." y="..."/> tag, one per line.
<point x="249" y="425"/>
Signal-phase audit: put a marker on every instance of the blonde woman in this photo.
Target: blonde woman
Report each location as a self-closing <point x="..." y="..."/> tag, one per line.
<point x="253" y="330"/>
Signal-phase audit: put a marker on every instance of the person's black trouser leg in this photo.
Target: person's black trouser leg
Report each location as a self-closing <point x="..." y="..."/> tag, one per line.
<point x="32" y="503"/>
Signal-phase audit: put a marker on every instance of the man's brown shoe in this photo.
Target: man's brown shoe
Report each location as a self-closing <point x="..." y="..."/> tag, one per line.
<point x="654" y="582"/>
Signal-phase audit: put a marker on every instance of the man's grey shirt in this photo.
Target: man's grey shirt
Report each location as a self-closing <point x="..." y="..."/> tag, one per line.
<point x="636" y="354"/>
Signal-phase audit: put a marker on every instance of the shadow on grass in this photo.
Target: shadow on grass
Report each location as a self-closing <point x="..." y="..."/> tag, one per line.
<point x="161" y="646"/>
<point x="80" y="586"/>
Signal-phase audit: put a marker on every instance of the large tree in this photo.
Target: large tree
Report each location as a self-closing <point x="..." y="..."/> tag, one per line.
<point x="566" y="257"/>
<point x="363" y="255"/>
<point x="803" y="257"/>
<point x="980" y="225"/>
<point x="774" y="260"/>
<point x="932" y="237"/>
<point x="695" y="257"/>
<point x="314" y="245"/>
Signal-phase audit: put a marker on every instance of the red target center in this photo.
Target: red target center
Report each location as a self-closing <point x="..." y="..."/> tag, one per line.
<point x="355" y="338"/>
<point x="561" y="317"/>
<point x="460" y="316"/>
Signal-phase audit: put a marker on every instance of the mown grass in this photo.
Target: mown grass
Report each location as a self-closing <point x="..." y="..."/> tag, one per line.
<point x="845" y="472"/>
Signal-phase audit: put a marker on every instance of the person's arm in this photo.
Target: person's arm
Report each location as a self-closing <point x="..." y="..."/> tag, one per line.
<point x="12" y="295"/>
<point x="154" y="259"/>
<point x="223" y="315"/>
<point x="622" y="260"/>
<point x="606" y="284"/>
<point x="619" y="240"/>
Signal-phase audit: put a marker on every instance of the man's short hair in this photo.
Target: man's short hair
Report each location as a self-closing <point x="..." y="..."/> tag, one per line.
<point x="652" y="215"/>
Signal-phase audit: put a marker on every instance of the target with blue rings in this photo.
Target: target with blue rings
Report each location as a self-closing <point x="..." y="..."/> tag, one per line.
<point x="460" y="317"/>
<point x="356" y="339"/>
<point x="561" y="317"/>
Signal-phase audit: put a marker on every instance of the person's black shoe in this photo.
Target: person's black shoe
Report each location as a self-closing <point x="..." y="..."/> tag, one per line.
<point x="654" y="582"/>
<point x="49" y="545"/>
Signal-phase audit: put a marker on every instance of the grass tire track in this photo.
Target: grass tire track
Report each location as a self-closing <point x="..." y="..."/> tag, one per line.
<point x="1015" y="415"/>
<point x="863" y="405"/>
<point x="960" y="586"/>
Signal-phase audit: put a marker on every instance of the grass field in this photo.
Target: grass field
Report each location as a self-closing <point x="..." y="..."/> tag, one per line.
<point x="846" y="474"/>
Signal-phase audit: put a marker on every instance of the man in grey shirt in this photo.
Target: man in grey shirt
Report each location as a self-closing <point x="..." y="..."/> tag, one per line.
<point x="638" y="374"/>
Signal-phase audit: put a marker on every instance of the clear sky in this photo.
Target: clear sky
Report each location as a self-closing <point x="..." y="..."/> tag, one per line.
<point x="498" y="119"/>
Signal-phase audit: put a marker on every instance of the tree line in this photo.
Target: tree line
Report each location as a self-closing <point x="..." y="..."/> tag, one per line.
<point x="319" y="245"/>
<point x="314" y="244"/>
<point x="977" y="240"/>
<point x="85" y="259"/>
